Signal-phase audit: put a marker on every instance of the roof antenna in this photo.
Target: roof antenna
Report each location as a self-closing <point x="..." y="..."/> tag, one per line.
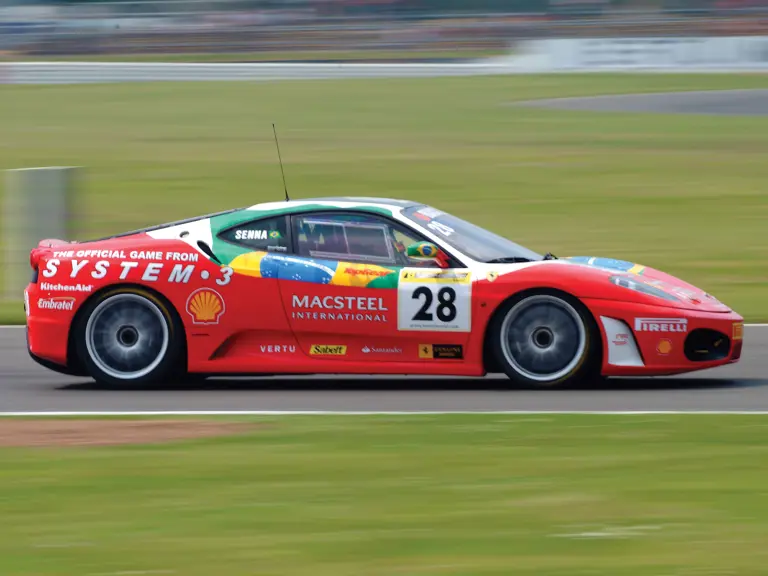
<point x="285" y="187"/>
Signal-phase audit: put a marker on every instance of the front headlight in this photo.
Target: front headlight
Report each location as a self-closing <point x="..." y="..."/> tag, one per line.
<point x="642" y="287"/>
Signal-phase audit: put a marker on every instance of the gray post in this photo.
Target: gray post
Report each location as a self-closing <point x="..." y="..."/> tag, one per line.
<point x="37" y="204"/>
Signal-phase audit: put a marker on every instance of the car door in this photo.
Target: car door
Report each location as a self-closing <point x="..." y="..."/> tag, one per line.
<point x="351" y="292"/>
<point x="259" y="329"/>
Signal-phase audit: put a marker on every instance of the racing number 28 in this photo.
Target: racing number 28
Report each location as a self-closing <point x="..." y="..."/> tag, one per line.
<point x="446" y="304"/>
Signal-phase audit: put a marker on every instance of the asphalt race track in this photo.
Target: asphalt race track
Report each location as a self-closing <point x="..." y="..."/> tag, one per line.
<point x="710" y="102"/>
<point x="27" y="387"/>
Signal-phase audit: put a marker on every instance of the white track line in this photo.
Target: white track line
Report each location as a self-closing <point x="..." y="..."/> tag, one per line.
<point x="387" y="413"/>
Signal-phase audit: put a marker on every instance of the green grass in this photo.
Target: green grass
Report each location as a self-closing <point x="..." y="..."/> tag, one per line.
<point x="686" y="194"/>
<point x="11" y="312"/>
<point x="379" y="496"/>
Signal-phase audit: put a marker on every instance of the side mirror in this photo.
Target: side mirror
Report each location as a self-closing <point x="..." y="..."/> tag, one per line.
<point x="426" y="252"/>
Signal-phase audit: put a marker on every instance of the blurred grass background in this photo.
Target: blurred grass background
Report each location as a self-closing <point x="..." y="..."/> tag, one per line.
<point x="544" y="495"/>
<point x="686" y="194"/>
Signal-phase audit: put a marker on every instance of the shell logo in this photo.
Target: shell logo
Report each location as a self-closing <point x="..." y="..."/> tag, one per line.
<point x="205" y="306"/>
<point x="664" y="347"/>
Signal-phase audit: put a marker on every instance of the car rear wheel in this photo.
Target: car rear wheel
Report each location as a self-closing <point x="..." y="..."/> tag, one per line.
<point x="129" y="337"/>
<point x="545" y="341"/>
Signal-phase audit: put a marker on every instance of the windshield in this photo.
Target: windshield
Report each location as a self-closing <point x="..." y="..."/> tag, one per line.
<point x="477" y="243"/>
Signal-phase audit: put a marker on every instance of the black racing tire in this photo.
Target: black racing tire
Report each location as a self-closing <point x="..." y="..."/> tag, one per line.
<point x="546" y="340"/>
<point x="128" y="337"/>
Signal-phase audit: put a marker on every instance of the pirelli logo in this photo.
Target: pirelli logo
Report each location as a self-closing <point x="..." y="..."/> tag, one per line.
<point x="661" y="325"/>
<point x="327" y="350"/>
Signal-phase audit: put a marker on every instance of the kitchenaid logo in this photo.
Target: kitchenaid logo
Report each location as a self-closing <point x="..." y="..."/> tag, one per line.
<point x="56" y="303"/>
<point x="661" y="324"/>
<point x="352" y="308"/>
<point x="377" y="350"/>
<point x="49" y="287"/>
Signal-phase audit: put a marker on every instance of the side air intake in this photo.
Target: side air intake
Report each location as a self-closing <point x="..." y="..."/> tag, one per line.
<point x="704" y="345"/>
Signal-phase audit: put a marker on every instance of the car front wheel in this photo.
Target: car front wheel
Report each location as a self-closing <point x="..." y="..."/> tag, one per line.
<point x="545" y="341"/>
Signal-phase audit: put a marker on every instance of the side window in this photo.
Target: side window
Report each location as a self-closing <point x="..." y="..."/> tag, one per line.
<point x="354" y="238"/>
<point x="345" y="237"/>
<point x="267" y="235"/>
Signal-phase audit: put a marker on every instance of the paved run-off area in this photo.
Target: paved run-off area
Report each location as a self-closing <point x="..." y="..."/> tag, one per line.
<point x="709" y="102"/>
<point x="26" y="387"/>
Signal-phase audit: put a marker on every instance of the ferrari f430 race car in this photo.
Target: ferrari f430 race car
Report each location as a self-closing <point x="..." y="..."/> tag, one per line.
<point x="358" y="286"/>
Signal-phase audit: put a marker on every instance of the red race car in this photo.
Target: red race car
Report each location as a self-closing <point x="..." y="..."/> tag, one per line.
<point x="358" y="286"/>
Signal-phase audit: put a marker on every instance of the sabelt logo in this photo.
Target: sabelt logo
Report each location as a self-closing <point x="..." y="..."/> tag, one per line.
<point x="327" y="350"/>
<point x="66" y="304"/>
<point x="661" y="325"/>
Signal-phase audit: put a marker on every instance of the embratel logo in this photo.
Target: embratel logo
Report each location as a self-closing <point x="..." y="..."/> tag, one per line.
<point x="63" y="303"/>
<point x="661" y="324"/>
<point x="327" y="350"/>
<point x="205" y="306"/>
<point x="441" y="351"/>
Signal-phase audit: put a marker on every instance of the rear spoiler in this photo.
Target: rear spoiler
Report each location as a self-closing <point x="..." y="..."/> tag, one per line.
<point x="53" y="243"/>
<point x="45" y="246"/>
